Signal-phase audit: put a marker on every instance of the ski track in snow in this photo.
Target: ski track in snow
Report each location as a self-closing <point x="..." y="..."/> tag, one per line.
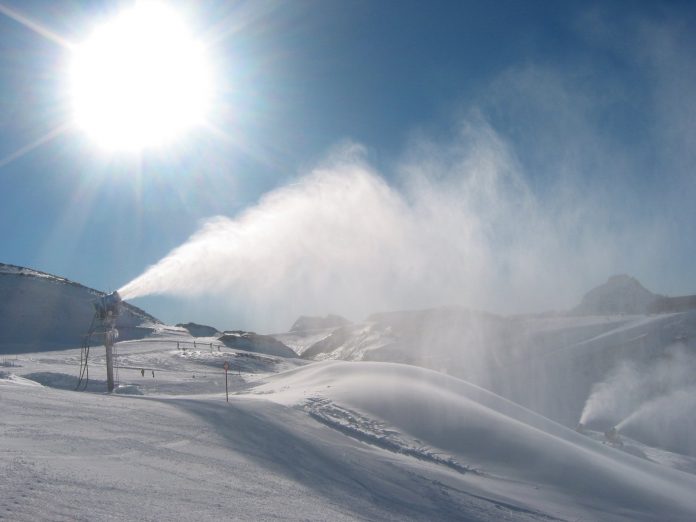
<point x="373" y="432"/>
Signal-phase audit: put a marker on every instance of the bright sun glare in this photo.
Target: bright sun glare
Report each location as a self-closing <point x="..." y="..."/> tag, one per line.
<point x="140" y="80"/>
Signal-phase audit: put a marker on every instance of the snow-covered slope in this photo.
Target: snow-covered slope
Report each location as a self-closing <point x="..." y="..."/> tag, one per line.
<point x="318" y="441"/>
<point x="561" y="366"/>
<point x="39" y="311"/>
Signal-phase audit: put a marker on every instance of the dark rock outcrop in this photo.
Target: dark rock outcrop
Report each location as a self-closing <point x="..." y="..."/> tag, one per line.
<point x="253" y="342"/>
<point x="200" y="330"/>
<point x="305" y="323"/>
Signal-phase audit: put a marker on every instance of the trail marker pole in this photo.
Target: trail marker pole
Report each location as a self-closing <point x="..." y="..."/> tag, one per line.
<point x="226" y="366"/>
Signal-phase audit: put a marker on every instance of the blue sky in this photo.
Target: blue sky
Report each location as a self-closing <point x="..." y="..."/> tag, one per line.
<point x="594" y="101"/>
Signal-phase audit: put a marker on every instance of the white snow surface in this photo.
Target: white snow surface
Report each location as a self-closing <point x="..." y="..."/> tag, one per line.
<point x="301" y="440"/>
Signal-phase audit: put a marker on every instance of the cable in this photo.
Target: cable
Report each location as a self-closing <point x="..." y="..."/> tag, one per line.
<point x="83" y="360"/>
<point x="115" y="353"/>
<point x="83" y="378"/>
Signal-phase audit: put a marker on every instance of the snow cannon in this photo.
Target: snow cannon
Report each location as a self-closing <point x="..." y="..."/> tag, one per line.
<point x="580" y="428"/>
<point x="108" y="305"/>
<point x="612" y="435"/>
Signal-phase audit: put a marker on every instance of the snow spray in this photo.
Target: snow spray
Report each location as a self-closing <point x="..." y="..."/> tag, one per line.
<point x="632" y="386"/>
<point x="461" y="230"/>
<point x="667" y="421"/>
<point x="456" y="223"/>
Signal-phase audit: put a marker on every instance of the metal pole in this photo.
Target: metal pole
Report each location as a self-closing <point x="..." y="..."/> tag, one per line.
<point x="226" y="366"/>
<point x="109" y="345"/>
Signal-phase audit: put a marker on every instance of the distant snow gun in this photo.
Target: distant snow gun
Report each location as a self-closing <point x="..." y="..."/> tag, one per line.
<point x="612" y="436"/>
<point x="107" y="308"/>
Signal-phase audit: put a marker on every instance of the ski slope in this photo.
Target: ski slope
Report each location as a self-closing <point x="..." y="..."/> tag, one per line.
<point x="302" y="440"/>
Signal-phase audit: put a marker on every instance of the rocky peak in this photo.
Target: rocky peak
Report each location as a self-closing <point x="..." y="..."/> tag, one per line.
<point x="621" y="294"/>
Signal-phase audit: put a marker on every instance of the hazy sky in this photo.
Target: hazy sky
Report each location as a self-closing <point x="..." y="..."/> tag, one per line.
<point x="584" y="113"/>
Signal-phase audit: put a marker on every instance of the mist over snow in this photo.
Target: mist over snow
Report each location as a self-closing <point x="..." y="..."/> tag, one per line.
<point x="458" y="225"/>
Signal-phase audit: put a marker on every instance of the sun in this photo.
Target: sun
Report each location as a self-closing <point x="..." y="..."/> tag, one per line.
<point x="140" y="80"/>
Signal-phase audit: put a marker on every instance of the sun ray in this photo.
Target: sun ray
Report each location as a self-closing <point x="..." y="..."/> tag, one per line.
<point x="49" y="136"/>
<point x="244" y="15"/>
<point x="36" y="27"/>
<point x="244" y="145"/>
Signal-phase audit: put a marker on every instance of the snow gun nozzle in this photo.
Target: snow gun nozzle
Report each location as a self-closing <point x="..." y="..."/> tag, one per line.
<point x="612" y="435"/>
<point x="108" y="305"/>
